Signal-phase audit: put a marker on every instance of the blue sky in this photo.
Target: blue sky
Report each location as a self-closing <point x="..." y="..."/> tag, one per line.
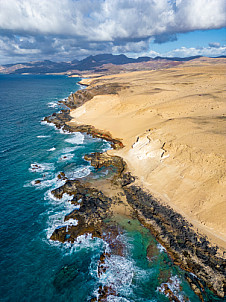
<point x="196" y="39"/>
<point x="63" y="30"/>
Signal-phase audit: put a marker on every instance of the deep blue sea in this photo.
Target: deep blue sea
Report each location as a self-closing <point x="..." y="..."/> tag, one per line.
<point x="33" y="268"/>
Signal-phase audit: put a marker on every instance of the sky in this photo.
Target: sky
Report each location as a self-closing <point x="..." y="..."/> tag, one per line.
<point x="64" y="30"/>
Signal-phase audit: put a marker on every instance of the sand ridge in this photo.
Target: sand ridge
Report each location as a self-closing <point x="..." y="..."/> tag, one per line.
<point x="172" y="123"/>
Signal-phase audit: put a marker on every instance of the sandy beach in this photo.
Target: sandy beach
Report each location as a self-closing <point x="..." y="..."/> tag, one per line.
<point x="172" y="124"/>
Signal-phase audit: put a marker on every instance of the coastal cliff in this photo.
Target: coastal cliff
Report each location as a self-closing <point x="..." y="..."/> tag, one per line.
<point x="167" y="130"/>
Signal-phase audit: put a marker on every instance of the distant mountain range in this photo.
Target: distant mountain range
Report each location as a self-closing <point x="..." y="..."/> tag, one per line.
<point x="91" y="63"/>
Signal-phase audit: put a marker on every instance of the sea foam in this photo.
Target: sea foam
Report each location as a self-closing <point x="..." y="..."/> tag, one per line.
<point x="51" y="149"/>
<point x="69" y="149"/>
<point x="42" y="136"/>
<point x="66" y="157"/>
<point x="53" y="104"/>
<point x="174" y="286"/>
<point x="79" y="172"/>
<point x="76" y="138"/>
<point x="36" y="167"/>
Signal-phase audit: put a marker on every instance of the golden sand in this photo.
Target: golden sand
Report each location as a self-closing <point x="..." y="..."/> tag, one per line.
<point x="172" y="123"/>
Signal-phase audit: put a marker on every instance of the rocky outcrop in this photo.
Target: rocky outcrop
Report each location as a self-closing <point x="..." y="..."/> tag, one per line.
<point x="191" y="251"/>
<point x="78" y="98"/>
<point x="94" y="208"/>
<point x="99" y="160"/>
<point x="60" y="121"/>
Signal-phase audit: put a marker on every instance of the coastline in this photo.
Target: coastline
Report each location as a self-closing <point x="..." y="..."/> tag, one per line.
<point x="167" y="142"/>
<point x="138" y="145"/>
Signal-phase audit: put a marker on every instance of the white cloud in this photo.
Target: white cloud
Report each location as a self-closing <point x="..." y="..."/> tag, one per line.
<point x="204" y="51"/>
<point x="190" y="51"/>
<point x="110" y="19"/>
<point x="73" y="28"/>
<point x="214" y="44"/>
<point x="200" y="14"/>
<point x="135" y="47"/>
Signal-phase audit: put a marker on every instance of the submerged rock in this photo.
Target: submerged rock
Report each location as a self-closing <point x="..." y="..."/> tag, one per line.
<point x="152" y="251"/>
<point x="62" y="176"/>
<point x="189" y="250"/>
<point x="37" y="181"/>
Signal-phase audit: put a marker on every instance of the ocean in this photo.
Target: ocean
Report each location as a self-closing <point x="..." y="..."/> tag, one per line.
<point x="34" y="268"/>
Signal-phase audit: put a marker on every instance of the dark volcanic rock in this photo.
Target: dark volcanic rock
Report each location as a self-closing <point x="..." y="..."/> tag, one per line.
<point x="37" y="181"/>
<point x="62" y="176"/>
<point x="152" y="251"/>
<point x="73" y="274"/>
<point x="196" y="286"/>
<point x="188" y="249"/>
<point x="65" y="276"/>
<point x="127" y="179"/>
<point x="99" y="160"/>
<point x="76" y="100"/>
<point x="94" y="208"/>
<point x="169" y="293"/>
<point x="60" y="121"/>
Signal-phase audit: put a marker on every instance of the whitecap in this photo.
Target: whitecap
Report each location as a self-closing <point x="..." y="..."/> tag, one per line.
<point x="53" y="104"/>
<point x="116" y="299"/>
<point x="51" y="149"/>
<point x="43" y="183"/>
<point x="174" y="286"/>
<point x="107" y="146"/>
<point x="82" y="242"/>
<point x="63" y="131"/>
<point x="48" y="180"/>
<point x="70" y="222"/>
<point x="65" y="197"/>
<point x="47" y="123"/>
<point x="76" y="138"/>
<point x="66" y="157"/>
<point x="56" y="219"/>
<point x="80" y="172"/>
<point x="3" y="151"/>
<point x="42" y="136"/>
<point x="36" y="167"/>
<point x="81" y="86"/>
<point x="119" y="273"/>
<point x="161" y="248"/>
<point x="69" y="149"/>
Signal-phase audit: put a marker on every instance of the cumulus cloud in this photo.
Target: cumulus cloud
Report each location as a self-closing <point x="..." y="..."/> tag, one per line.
<point x="29" y="48"/>
<point x="114" y="25"/>
<point x="214" y="44"/>
<point x="191" y="51"/>
<point x="128" y="47"/>
<point x="110" y="19"/>
<point x="202" y="51"/>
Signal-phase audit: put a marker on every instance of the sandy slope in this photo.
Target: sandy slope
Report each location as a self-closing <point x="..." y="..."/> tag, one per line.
<point x="172" y="123"/>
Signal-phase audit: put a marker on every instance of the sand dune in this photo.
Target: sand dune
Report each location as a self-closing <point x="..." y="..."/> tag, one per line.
<point x="172" y="123"/>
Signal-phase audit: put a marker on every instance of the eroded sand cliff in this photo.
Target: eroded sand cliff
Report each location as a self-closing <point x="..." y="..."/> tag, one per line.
<point x="172" y="124"/>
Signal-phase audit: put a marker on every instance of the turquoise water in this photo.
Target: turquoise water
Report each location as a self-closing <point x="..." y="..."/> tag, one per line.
<point x="32" y="267"/>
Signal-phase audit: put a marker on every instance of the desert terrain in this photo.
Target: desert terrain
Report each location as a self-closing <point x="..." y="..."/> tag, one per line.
<point x="172" y="125"/>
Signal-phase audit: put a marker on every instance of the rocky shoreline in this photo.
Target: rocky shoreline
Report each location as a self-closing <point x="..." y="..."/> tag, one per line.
<point x="188" y="249"/>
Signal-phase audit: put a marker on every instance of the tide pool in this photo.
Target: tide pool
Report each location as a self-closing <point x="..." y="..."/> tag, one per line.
<point x="32" y="154"/>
